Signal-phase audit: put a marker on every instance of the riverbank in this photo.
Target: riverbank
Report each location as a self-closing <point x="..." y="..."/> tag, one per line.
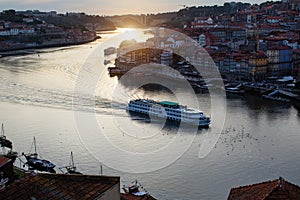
<point x="23" y="50"/>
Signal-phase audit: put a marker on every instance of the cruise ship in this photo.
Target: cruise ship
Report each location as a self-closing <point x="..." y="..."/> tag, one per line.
<point x="170" y="110"/>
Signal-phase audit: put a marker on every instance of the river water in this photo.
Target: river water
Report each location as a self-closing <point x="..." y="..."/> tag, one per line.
<point x="259" y="141"/>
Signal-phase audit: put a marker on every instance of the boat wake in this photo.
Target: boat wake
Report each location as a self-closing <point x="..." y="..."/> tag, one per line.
<point x="59" y="99"/>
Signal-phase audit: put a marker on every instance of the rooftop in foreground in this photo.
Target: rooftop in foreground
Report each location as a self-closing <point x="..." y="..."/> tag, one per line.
<point x="275" y="189"/>
<point x="3" y="161"/>
<point x="59" y="186"/>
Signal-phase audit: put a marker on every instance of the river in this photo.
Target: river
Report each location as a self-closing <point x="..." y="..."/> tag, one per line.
<point x="259" y="141"/>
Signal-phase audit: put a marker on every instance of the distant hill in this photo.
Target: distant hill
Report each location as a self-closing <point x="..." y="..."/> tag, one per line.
<point x="80" y="20"/>
<point x="187" y="14"/>
<point x="177" y="19"/>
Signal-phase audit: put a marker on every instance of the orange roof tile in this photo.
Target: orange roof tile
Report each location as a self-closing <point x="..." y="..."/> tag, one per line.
<point x="3" y="161"/>
<point x="276" y="189"/>
<point x="280" y="48"/>
<point x="58" y="186"/>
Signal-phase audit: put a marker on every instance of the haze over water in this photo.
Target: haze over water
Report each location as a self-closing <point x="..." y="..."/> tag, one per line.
<point x="260" y="139"/>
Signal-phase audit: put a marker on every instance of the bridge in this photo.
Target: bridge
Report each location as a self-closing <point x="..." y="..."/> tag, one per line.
<point x="129" y="20"/>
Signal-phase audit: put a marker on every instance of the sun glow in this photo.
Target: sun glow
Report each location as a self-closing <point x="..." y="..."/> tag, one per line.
<point x="132" y="33"/>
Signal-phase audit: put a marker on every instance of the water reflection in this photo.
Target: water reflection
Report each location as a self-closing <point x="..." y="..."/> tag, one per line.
<point x="169" y="127"/>
<point x="258" y="108"/>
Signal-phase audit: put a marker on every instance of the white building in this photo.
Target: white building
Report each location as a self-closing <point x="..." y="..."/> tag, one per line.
<point x="207" y="20"/>
<point x="17" y="31"/>
<point x="14" y="31"/>
<point x="28" y="20"/>
<point x="202" y="40"/>
<point x="166" y="58"/>
<point x="4" y="33"/>
<point x="27" y="31"/>
<point x="249" y="19"/>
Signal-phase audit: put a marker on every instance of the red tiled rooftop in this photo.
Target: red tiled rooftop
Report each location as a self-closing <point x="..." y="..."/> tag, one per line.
<point x="270" y="7"/>
<point x="296" y="50"/>
<point x="201" y="18"/>
<point x="58" y="186"/>
<point x="274" y="17"/>
<point x="202" y="24"/>
<point x="3" y="161"/>
<point x="276" y="189"/>
<point x="259" y="54"/>
<point x="279" y="48"/>
<point x="275" y="38"/>
<point x="265" y="26"/>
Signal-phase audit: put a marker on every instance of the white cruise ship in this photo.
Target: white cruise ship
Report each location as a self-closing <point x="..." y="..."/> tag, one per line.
<point x="169" y="110"/>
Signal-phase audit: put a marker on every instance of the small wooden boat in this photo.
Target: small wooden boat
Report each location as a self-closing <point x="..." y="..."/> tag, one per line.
<point x="276" y="98"/>
<point x="235" y="90"/>
<point x="106" y="62"/>
<point x="135" y="189"/>
<point x="110" y="51"/>
<point x="7" y="147"/>
<point x="71" y="168"/>
<point x="4" y="142"/>
<point x="36" y="163"/>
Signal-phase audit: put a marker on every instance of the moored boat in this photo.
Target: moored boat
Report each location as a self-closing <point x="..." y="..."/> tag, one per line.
<point x="36" y="163"/>
<point x="235" y="90"/>
<point x="106" y="62"/>
<point x="276" y="98"/>
<point x="7" y="147"/>
<point x="71" y="168"/>
<point x="169" y="110"/>
<point x="4" y="142"/>
<point x="135" y="189"/>
<point x="109" y="51"/>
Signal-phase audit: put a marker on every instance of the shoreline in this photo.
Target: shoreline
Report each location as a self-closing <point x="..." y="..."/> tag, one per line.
<point x="23" y="50"/>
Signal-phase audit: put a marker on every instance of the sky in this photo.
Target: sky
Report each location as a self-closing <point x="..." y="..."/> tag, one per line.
<point x="109" y="7"/>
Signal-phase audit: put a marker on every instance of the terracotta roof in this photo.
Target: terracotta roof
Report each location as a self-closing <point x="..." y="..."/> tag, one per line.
<point x="276" y="189"/>
<point x="58" y="186"/>
<point x="276" y="38"/>
<point x="3" y="161"/>
<point x="259" y="54"/>
<point x="202" y="24"/>
<point x="202" y="18"/>
<point x="274" y="17"/>
<point x="296" y="50"/>
<point x="133" y="197"/>
<point x="280" y="48"/>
